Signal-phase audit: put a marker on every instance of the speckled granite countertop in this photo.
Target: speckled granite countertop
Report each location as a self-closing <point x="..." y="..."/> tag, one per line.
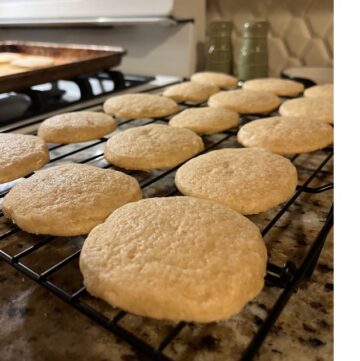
<point x="37" y="326"/>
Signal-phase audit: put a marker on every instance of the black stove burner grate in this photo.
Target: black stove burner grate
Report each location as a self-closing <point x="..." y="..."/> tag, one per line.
<point x="49" y="97"/>
<point x="287" y="277"/>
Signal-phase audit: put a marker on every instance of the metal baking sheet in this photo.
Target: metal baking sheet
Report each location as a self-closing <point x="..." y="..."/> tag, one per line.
<point x="70" y="60"/>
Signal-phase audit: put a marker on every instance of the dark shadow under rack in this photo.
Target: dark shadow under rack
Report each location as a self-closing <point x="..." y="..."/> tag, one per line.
<point x="288" y="277"/>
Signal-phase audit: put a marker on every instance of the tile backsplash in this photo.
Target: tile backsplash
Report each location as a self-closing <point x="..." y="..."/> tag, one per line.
<point x="301" y="31"/>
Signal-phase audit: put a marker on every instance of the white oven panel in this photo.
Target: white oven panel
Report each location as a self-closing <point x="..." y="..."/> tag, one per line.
<point x="26" y="9"/>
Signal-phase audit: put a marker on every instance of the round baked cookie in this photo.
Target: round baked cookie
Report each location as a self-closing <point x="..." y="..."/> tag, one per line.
<point x="281" y="87"/>
<point x="152" y="146"/>
<point x="6" y="57"/>
<point x="190" y="91"/>
<point x="76" y="127"/>
<point x="33" y="62"/>
<point x="68" y="200"/>
<point x="206" y="120"/>
<point x="245" y="101"/>
<point x="167" y="258"/>
<point x="136" y="106"/>
<point x="221" y="80"/>
<point x="8" y="69"/>
<point x="313" y="108"/>
<point x="286" y="135"/>
<point x="249" y="181"/>
<point x="320" y="91"/>
<point x="20" y="155"/>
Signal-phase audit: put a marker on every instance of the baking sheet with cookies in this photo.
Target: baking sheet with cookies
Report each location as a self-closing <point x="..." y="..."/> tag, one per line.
<point x="288" y="231"/>
<point x="48" y="62"/>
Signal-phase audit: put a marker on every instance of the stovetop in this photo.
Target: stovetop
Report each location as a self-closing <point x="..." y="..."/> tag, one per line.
<point x="49" y="97"/>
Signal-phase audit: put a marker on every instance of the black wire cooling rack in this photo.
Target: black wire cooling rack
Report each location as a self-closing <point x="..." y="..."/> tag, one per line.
<point x="288" y="276"/>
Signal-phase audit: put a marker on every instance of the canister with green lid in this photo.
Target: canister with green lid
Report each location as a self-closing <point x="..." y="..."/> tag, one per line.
<point x="219" y="50"/>
<point x="253" y="53"/>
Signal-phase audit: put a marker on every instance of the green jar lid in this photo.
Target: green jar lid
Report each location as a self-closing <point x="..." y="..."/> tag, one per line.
<point x="220" y="28"/>
<point x="255" y="29"/>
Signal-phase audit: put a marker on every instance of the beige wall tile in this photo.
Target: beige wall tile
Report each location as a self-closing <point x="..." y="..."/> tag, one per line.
<point x="296" y="37"/>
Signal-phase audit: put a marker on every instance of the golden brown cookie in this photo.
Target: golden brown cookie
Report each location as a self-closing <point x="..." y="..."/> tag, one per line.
<point x="320" y="91"/>
<point x="68" y="200"/>
<point x="20" y="155"/>
<point x="6" y="57"/>
<point x="205" y="120"/>
<point x="152" y="146"/>
<point x="249" y="181"/>
<point x="8" y="69"/>
<point x="190" y="91"/>
<point x="312" y="108"/>
<point x="76" y="127"/>
<point x="167" y="258"/>
<point x="221" y="80"/>
<point x="136" y="106"/>
<point x="245" y="101"/>
<point x="280" y="87"/>
<point x="33" y="62"/>
<point x="286" y="135"/>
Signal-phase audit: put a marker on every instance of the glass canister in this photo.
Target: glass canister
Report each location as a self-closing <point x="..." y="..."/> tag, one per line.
<point x="219" y="50"/>
<point x="253" y="53"/>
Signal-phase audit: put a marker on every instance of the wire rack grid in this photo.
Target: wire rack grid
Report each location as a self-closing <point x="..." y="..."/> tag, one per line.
<point x="288" y="276"/>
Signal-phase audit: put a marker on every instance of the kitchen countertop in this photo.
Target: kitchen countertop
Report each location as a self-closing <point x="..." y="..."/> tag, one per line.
<point x="37" y="326"/>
